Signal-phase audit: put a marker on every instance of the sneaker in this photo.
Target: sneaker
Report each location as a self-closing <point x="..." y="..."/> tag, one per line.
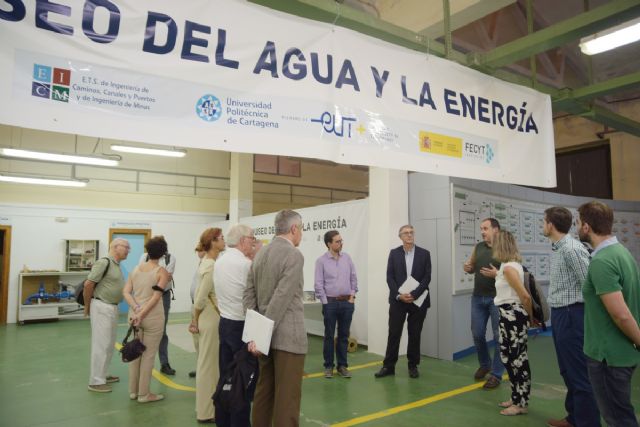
<point x="112" y="379"/>
<point x="328" y="373"/>
<point x="481" y="373"/>
<point x="99" y="388"/>
<point x="167" y="369"/>
<point x="492" y="382"/>
<point x="344" y="372"/>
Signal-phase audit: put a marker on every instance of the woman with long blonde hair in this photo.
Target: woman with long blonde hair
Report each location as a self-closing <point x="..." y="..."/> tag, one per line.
<point x="514" y="304"/>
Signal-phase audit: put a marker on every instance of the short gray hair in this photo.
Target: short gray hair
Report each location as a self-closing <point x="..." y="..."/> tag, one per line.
<point x="403" y="227"/>
<point x="118" y="241"/>
<point x="236" y="233"/>
<point x="285" y="219"/>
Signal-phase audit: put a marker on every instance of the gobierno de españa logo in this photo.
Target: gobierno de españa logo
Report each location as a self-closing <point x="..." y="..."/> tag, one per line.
<point x="51" y="82"/>
<point x="209" y="108"/>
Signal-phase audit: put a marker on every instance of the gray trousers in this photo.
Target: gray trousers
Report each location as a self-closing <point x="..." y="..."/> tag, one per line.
<point x="163" y="351"/>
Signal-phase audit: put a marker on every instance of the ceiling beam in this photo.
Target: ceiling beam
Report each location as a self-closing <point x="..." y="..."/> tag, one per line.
<point x="569" y="30"/>
<point x="331" y="11"/>
<point x="566" y="97"/>
<point x="613" y="120"/>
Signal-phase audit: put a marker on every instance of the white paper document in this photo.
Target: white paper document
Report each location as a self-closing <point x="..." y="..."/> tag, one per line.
<point x="408" y="286"/>
<point x="258" y="328"/>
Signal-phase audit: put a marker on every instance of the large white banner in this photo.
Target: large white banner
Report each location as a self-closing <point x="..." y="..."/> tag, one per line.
<point x="233" y="76"/>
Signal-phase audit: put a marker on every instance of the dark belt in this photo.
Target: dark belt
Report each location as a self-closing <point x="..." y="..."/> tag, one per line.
<point x="110" y="303"/>
<point x="339" y="298"/>
<point x="575" y="304"/>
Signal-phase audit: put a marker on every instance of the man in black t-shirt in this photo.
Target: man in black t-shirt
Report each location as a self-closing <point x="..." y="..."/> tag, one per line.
<point x="485" y="269"/>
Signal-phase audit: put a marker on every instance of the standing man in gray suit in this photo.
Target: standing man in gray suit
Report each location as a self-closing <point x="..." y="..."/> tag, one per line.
<point x="274" y="289"/>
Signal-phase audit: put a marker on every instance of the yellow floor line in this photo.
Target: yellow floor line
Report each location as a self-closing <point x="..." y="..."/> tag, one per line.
<point x="166" y="381"/>
<point x="354" y="421"/>
<point x="408" y="406"/>
<point x="163" y="379"/>
<point x="352" y="368"/>
<point x="412" y="405"/>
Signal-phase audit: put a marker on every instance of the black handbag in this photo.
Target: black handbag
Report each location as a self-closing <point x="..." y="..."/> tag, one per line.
<point x="133" y="349"/>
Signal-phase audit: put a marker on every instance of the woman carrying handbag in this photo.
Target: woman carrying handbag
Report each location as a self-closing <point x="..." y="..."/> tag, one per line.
<point x="142" y="292"/>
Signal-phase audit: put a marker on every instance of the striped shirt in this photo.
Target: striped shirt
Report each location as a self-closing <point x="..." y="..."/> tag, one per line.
<point x="569" y="265"/>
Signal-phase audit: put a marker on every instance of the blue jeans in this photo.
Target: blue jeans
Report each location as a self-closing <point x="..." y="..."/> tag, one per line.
<point x="612" y="388"/>
<point x="481" y="309"/>
<point x="568" y="337"/>
<point x="339" y="312"/>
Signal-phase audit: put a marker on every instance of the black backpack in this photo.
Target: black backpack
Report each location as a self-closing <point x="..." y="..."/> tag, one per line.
<point x="79" y="291"/>
<point x="538" y="300"/>
<point x="237" y="383"/>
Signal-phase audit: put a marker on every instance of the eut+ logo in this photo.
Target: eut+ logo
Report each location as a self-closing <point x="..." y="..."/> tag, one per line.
<point x="51" y="83"/>
<point x="335" y="124"/>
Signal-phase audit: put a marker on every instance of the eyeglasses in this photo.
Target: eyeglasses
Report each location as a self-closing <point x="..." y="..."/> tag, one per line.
<point x="407" y="232"/>
<point x="125" y="246"/>
<point x="338" y="241"/>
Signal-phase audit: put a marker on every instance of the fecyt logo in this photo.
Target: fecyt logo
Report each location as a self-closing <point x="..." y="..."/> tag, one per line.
<point x="51" y="83"/>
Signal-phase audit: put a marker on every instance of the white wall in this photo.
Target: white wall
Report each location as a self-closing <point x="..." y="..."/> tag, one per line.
<point x="37" y="240"/>
<point x="430" y="214"/>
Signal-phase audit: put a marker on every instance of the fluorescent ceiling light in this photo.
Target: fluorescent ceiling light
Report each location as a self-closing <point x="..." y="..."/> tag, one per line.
<point x="150" y="151"/>
<point x="612" y="38"/>
<point x="53" y="157"/>
<point x="43" y="181"/>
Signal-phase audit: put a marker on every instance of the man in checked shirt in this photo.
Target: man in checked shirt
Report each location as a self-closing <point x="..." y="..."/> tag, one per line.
<point x="569" y="265"/>
<point x="336" y="285"/>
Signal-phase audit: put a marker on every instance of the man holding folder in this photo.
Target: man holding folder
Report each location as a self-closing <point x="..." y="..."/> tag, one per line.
<point x="408" y="277"/>
<point x="274" y="290"/>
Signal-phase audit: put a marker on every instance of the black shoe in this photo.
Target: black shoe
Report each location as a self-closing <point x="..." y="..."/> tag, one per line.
<point x="384" y="372"/>
<point x="167" y="369"/>
<point x="413" y="372"/>
<point x="207" y="421"/>
<point x="192" y="374"/>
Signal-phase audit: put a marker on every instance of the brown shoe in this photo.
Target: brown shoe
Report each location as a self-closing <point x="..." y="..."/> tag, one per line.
<point x="481" y="373"/>
<point x="99" y="388"/>
<point x="492" y="382"/>
<point x="559" y="423"/>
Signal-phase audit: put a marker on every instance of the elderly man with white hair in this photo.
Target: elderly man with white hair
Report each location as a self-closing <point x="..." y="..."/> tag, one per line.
<point x="230" y="281"/>
<point x="102" y="294"/>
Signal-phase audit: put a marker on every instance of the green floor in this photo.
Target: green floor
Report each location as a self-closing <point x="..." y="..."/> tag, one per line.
<point x="44" y="370"/>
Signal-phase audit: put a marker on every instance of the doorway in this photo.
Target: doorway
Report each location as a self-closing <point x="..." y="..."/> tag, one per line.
<point x="5" y="258"/>
<point x="137" y="238"/>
